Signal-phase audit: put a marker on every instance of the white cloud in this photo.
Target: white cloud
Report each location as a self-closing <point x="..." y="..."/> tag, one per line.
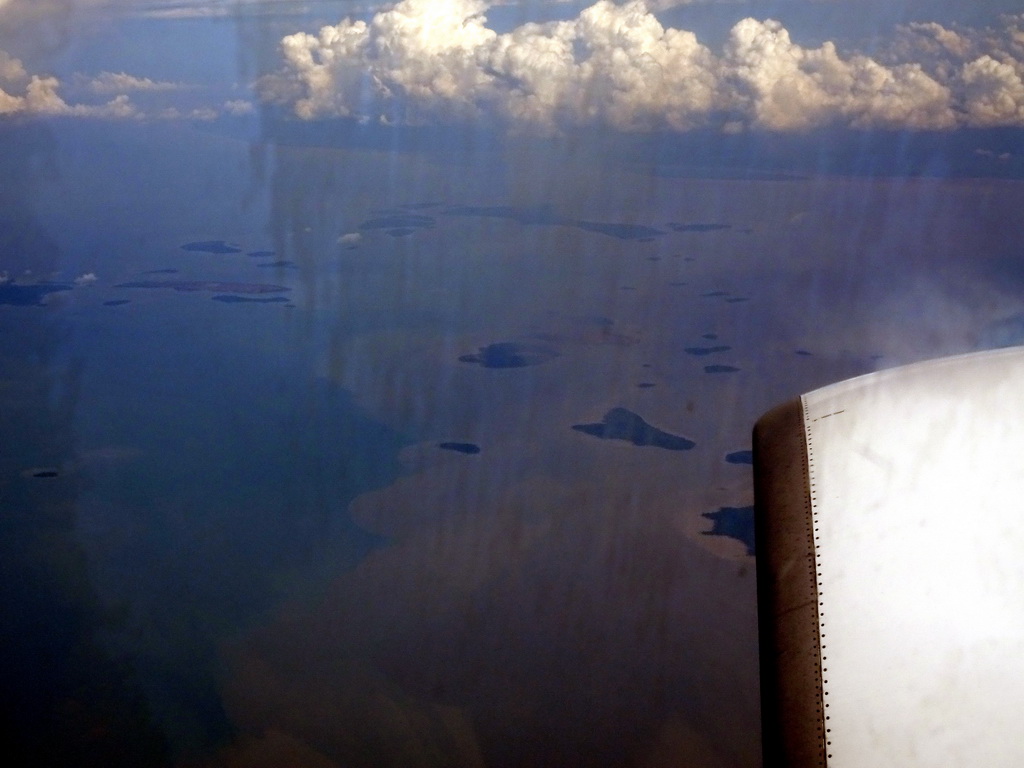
<point x="39" y="96"/>
<point x="783" y="86"/>
<point x="239" y="107"/>
<point x="213" y="9"/>
<point x="433" y="58"/>
<point x="111" y="82"/>
<point x="204" y="114"/>
<point x="87" y="279"/>
<point x="188" y="12"/>
<point x="615" y="64"/>
<point x="11" y="69"/>
<point x="350" y="238"/>
<point x="994" y="92"/>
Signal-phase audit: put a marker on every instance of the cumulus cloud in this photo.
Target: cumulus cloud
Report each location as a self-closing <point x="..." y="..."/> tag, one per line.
<point x="21" y="93"/>
<point x="350" y="238"/>
<point x="983" y="68"/>
<point x="86" y="279"/>
<point x="120" y="82"/>
<point x="428" y="58"/>
<point x="993" y="92"/>
<point x="783" y="86"/>
<point x="617" y="65"/>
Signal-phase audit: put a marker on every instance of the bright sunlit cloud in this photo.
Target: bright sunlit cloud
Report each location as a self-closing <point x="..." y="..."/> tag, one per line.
<point x="617" y="65"/>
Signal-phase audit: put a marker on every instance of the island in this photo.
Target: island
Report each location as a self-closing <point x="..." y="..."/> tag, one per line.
<point x="211" y="246"/>
<point x="740" y="457"/>
<point x="205" y="285"/>
<point x="701" y="351"/>
<point x="510" y="354"/>
<point x="230" y="299"/>
<point x="733" y="522"/>
<point x="699" y="227"/>
<point x="467" y="448"/>
<point x="400" y="221"/>
<point x="544" y="216"/>
<point x="623" y="424"/>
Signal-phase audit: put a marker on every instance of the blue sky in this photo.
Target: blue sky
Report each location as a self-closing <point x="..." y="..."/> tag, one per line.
<point x="530" y="68"/>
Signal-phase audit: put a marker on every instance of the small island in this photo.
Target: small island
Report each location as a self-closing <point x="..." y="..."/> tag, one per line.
<point x="733" y="522"/>
<point x="639" y="232"/>
<point x="740" y="457"/>
<point x="544" y="216"/>
<point x="189" y="286"/>
<point x="218" y="247"/>
<point x="469" y="449"/>
<point x="701" y="351"/>
<point x="623" y="424"/>
<point x="399" y="221"/>
<point x="229" y="299"/>
<point x="699" y="227"/>
<point x="509" y="354"/>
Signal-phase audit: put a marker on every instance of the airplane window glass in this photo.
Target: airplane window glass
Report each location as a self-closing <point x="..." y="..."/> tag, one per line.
<point x="377" y="378"/>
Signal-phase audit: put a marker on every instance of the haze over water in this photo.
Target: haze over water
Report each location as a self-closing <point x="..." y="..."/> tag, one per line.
<point x="382" y="397"/>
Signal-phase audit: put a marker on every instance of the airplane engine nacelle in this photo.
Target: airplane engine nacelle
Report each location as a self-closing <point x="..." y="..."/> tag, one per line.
<point x="890" y="537"/>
